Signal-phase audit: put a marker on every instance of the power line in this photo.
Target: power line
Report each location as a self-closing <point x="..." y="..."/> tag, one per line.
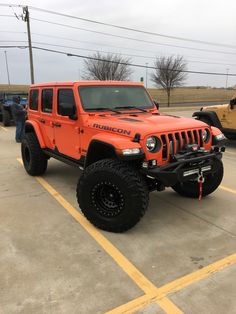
<point x="11" y="5"/>
<point x="126" y="63"/>
<point x="119" y="47"/>
<point x="134" y="39"/>
<point x="15" y="41"/>
<point x="13" y="32"/>
<point x="13" y="46"/>
<point x="123" y="27"/>
<point x="112" y="46"/>
<point x="131" y="38"/>
<point x="94" y="43"/>
<point x="124" y="54"/>
<point x="133" y="29"/>
<point x="6" y="15"/>
<point x="89" y="42"/>
<point x="109" y="52"/>
<point x="68" y="54"/>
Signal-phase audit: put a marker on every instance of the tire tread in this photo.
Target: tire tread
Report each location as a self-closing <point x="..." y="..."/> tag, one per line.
<point x="135" y="182"/>
<point x="38" y="164"/>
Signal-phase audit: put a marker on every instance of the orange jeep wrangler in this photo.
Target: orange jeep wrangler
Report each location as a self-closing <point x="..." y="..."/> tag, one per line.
<point x="126" y="148"/>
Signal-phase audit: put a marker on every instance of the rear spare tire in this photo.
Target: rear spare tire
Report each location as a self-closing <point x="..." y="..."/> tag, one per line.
<point x="112" y="195"/>
<point x="211" y="183"/>
<point x="35" y="161"/>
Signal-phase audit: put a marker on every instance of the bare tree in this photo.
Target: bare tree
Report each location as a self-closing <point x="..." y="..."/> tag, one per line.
<point x="107" y="67"/>
<point x="169" y="73"/>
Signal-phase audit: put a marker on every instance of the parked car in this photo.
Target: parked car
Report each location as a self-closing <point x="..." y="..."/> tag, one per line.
<point x="220" y="116"/>
<point x="5" y="105"/>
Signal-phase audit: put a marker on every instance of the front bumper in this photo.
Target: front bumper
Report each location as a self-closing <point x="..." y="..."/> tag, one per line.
<point x="185" y="167"/>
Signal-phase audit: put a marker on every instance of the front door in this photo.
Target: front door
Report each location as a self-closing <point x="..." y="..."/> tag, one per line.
<point x="66" y="130"/>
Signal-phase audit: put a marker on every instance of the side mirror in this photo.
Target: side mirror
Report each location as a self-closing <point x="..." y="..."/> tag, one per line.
<point x="232" y="103"/>
<point x="68" y="110"/>
<point x="156" y="104"/>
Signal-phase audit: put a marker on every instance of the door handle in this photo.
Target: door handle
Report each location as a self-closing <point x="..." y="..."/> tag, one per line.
<point x="42" y="121"/>
<point x="58" y="125"/>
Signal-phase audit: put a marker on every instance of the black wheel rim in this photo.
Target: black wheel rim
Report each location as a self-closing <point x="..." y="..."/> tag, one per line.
<point x="107" y="199"/>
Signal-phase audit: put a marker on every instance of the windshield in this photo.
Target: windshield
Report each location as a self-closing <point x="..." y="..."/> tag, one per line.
<point x="112" y="97"/>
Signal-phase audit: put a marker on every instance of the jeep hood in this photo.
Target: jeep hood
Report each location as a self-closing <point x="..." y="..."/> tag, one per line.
<point x="216" y="107"/>
<point x="143" y="123"/>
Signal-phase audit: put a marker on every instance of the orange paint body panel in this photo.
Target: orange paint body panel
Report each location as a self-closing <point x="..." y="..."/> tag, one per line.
<point x="72" y="137"/>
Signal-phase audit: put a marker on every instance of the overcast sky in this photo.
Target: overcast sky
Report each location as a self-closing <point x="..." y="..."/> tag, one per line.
<point x="208" y="20"/>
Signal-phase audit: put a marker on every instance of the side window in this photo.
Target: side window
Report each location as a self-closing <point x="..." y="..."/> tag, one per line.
<point x="34" y="97"/>
<point x="66" y="101"/>
<point x="47" y="95"/>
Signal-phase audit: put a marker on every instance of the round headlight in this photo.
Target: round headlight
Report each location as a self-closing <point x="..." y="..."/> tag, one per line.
<point x="206" y="135"/>
<point x="153" y="144"/>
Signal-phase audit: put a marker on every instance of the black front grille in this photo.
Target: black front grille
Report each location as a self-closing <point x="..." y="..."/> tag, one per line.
<point x="172" y="143"/>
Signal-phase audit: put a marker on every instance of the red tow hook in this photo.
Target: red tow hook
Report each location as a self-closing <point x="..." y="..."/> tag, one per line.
<point x="200" y="180"/>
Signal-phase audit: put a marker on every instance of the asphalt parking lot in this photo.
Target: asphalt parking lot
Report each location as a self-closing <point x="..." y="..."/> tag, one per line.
<point x="181" y="257"/>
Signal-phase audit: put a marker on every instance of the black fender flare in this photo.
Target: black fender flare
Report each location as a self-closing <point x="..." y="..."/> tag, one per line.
<point x="98" y="150"/>
<point x="210" y="115"/>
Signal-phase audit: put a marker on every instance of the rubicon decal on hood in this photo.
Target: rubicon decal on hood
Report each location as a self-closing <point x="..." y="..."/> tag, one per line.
<point x="109" y="128"/>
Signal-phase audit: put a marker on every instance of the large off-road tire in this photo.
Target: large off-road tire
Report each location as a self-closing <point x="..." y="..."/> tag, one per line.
<point x="35" y="161"/>
<point x="112" y="195"/>
<point x="6" y="117"/>
<point x="211" y="183"/>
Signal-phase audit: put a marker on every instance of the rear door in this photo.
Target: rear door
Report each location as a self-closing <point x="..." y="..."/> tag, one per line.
<point x="33" y="105"/>
<point x="67" y="138"/>
<point x="47" y="116"/>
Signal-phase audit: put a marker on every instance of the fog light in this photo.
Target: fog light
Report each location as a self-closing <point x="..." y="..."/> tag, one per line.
<point x="145" y="164"/>
<point x="154" y="162"/>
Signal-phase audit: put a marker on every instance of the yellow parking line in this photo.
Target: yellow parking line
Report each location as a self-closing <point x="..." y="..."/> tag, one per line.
<point x="175" y="286"/>
<point x="222" y="187"/>
<point x="200" y="274"/>
<point x="131" y="306"/>
<point x="147" y="286"/>
<point x="4" y="129"/>
<point x="152" y="293"/>
<point x="139" y="303"/>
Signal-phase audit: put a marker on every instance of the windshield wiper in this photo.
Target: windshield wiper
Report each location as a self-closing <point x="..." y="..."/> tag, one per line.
<point x="131" y="107"/>
<point x="103" y="109"/>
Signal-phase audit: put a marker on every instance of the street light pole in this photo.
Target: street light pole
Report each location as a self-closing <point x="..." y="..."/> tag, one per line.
<point x="146" y="74"/>
<point x="8" y="76"/>
<point x="226" y="83"/>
